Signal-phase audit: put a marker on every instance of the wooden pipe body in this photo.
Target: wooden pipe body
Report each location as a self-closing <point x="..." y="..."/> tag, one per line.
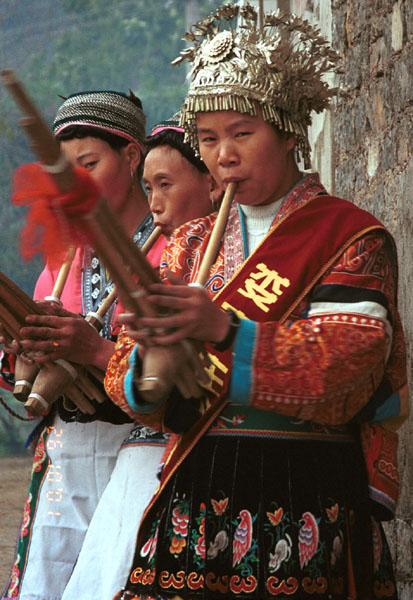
<point x="24" y="377"/>
<point x="62" y="378"/>
<point x="104" y="230"/>
<point x="48" y="386"/>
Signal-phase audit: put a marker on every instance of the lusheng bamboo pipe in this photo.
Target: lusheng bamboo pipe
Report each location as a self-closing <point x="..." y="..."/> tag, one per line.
<point x="152" y="381"/>
<point x="73" y="380"/>
<point x="48" y="151"/>
<point x="15" y="305"/>
<point x="25" y="374"/>
<point x="47" y="147"/>
<point x="216" y="235"/>
<point x="96" y="318"/>
<point x="160" y="369"/>
<point x="62" y="277"/>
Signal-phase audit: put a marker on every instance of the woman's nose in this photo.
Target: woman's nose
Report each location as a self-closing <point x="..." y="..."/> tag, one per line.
<point x="155" y="203"/>
<point x="227" y="154"/>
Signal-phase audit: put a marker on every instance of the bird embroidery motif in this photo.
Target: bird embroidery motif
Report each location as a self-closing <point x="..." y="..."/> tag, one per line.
<point x="308" y="537"/>
<point x="242" y="537"/>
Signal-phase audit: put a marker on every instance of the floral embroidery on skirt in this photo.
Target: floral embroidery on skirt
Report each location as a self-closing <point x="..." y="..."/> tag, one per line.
<point x="251" y="517"/>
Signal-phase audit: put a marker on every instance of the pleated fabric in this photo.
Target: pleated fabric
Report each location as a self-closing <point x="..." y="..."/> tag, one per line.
<point x="268" y="518"/>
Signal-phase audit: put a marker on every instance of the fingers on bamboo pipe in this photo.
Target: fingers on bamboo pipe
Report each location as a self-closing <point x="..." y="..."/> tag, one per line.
<point x="161" y="371"/>
<point x="156" y="380"/>
<point x="186" y="381"/>
<point x="197" y="358"/>
<point x="98" y="374"/>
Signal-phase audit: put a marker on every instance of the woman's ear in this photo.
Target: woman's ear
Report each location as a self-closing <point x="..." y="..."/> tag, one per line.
<point x="291" y="141"/>
<point x="134" y="155"/>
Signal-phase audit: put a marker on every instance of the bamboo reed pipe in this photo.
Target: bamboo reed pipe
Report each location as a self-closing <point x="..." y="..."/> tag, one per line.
<point x="216" y="236"/>
<point x="125" y="248"/>
<point x="152" y="239"/>
<point x="47" y="149"/>
<point x="62" y="277"/>
<point x="96" y="319"/>
<point x="151" y="384"/>
<point x="25" y="374"/>
<point x="15" y="306"/>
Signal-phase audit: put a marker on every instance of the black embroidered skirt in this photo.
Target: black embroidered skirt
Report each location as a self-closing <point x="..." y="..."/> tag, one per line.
<point x="258" y="517"/>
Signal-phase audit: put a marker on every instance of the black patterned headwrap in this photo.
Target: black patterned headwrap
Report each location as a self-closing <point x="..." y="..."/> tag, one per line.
<point x="111" y="111"/>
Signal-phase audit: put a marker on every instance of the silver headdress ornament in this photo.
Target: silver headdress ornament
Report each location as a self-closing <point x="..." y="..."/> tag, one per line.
<point x="280" y="67"/>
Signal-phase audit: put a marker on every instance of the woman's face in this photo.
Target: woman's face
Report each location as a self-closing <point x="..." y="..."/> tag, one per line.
<point x="109" y="168"/>
<point x="246" y="149"/>
<point x="177" y="191"/>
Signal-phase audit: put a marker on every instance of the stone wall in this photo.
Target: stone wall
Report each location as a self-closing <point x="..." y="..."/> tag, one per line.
<point x="373" y="142"/>
<point x="363" y="150"/>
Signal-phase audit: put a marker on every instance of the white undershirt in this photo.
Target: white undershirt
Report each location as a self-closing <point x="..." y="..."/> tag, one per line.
<point x="258" y="220"/>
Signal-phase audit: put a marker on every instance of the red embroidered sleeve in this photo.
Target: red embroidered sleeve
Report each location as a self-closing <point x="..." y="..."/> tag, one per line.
<point x="325" y="367"/>
<point x="115" y="378"/>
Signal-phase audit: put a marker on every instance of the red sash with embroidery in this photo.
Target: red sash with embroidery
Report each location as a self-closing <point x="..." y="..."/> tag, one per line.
<point x="293" y="256"/>
<point x="284" y="267"/>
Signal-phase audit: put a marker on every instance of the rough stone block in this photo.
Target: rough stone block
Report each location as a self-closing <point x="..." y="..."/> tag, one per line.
<point x="388" y="151"/>
<point x="354" y="68"/>
<point x="400" y="535"/>
<point x="378" y="58"/>
<point x="397" y="28"/>
<point x="405" y="591"/>
<point x="359" y="118"/>
<point x="373" y="157"/>
<point x="403" y="82"/>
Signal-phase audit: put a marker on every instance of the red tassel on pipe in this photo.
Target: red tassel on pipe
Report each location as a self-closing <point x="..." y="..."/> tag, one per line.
<point x="53" y="222"/>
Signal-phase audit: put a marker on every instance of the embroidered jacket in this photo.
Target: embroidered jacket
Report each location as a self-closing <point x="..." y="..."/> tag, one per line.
<point x="339" y="357"/>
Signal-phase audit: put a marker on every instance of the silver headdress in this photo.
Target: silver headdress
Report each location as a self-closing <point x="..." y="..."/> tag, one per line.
<point x="279" y="66"/>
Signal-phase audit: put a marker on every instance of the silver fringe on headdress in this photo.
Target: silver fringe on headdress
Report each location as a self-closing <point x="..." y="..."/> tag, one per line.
<point x="279" y="67"/>
<point x="111" y="111"/>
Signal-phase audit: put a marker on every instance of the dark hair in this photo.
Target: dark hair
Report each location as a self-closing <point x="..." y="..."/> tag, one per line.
<point x="116" y="142"/>
<point x="175" y="139"/>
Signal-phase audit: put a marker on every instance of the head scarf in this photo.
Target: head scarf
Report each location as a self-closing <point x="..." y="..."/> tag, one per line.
<point x="171" y="123"/>
<point x="111" y="111"/>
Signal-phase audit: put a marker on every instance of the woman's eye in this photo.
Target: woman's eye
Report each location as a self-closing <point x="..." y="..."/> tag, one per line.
<point x="242" y="133"/>
<point x="90" y="164"/>
<point x="165" y="184"/>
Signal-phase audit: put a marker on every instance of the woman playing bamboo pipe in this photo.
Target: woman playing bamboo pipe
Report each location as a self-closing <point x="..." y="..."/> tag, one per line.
<point x="179" y="189"/>
<point x="271" y="498"/>
<point x="103" y="132"/>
